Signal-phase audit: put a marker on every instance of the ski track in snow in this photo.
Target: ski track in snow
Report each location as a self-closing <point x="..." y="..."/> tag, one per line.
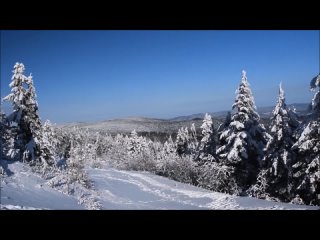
<point x="116" y="189"/>
<point x="141" y="190"/>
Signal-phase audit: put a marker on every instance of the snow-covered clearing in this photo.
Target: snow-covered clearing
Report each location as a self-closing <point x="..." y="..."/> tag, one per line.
<point x="115" y="189"/>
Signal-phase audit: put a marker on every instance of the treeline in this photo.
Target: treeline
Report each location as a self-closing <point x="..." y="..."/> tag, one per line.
<point x="241" y="156"/>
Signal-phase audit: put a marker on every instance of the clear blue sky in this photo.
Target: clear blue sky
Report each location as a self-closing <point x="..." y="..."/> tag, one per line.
<point x="97" y="75"/>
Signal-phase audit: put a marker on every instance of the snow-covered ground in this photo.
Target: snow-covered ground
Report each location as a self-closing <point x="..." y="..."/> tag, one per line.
<point x="22" y="189"/>
<point x="115" y="189"/>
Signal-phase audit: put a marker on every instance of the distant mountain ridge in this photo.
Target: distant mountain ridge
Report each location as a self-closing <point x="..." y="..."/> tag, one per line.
<point x="301" y="109"/>
<point x="168" y="126"/>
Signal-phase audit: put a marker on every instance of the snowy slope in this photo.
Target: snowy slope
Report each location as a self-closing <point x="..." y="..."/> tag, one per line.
<point x="116" y="189"/>
<point x="24" y="190"/>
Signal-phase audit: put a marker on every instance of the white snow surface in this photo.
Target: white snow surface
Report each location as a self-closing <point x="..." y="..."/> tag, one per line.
<point x="114" y="189"/>
<point x="23" y="189"/>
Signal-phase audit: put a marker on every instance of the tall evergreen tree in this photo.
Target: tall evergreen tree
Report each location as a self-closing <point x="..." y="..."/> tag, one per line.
<point x="32" y="126"/>
<point x="275" y="179"/>
<point x="15" y="119"/>
<point x="24" y="120"/>
<point x="306" y="169"/>
<point x="244" y="138"/>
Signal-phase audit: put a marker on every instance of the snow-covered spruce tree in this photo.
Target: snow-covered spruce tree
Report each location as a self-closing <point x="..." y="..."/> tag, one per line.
<point x="89" y="147"/>
<point x="166" y="156"/>
<point x="118" y="151"/>
<point x="149" y="155"/>
<point x="50" y="135"/>
<point x="77" y="159"/>
<point x="169" y="147"/>
<point x="140" y="153"/>
<point x="38" y="148"/>
<point x="48" y="141"/>
<point x="193" y="141"/>
<point x="207" y="145"/>
<point x="214" y="175"/>
<point x="306" y="168"/>
<point x="244" y="139"/>
<point x="105" y="143"/>
<point x="33" y="124"/>
<point x="186" y="143"/>
<point x="24" y="120"/>
<point x="92" y="150"/>
<point x="135" y="144"/>
<point x="275" y="179"/>
<point x="15" y="119"/>
<point x="182" y="141"/>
